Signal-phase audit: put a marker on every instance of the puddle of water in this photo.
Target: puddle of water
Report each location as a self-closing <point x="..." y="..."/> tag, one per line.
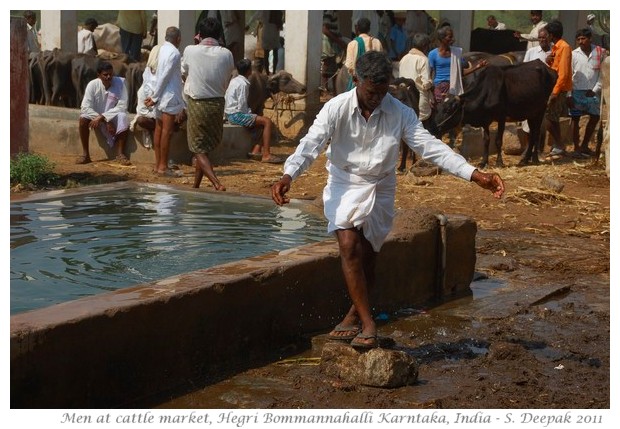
<point x="76" y="246"/>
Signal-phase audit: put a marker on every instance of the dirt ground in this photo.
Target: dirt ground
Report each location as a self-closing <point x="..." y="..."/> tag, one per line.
<point x="541" y="339"/>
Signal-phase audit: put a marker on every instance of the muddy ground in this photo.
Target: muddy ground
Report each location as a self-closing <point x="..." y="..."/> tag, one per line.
<point x="535" y="334"/>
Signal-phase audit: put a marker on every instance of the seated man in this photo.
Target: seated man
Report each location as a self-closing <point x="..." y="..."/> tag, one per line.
<point x="143" y="124"/>
<point x="104" y="106"/>
<point x="144" y="120"/>
<point x="238" y="113"/>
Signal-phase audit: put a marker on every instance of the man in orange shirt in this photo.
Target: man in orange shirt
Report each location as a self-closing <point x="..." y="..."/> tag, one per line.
<point x="560" y="60"/>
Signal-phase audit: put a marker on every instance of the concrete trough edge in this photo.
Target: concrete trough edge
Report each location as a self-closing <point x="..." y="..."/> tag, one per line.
<point x="117" y="348"/>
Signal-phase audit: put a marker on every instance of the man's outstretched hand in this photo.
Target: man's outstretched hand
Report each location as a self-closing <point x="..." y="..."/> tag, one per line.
<point x="490" y="181"/>
<point x="279" y="190"/>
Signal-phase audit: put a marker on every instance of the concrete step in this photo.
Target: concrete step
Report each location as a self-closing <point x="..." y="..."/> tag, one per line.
<point x="55" y="130"/>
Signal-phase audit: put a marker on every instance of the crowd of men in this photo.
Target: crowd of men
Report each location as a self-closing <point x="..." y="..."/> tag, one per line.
<point x="398" y="33"/>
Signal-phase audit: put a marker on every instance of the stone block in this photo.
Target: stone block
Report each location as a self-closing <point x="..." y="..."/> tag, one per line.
<point x="472" y="145"/>
<point x="376" y="367"/>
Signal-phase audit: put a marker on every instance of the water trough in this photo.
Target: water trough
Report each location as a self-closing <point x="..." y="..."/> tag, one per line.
<point x="117" y="348"/>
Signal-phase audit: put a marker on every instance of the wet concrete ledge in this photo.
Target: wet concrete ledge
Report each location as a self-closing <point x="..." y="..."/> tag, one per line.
<point x="55" y="130"/>
<point x="117" y="348"/>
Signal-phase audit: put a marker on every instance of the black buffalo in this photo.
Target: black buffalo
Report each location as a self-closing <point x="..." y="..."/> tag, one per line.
<point x="495" y="41"/>
<point x="499" y="93"/>
<point x="405" y="91"/>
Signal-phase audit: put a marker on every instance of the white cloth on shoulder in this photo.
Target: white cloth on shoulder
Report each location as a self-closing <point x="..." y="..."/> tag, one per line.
<point x="363" y="202"/>
<point x="456" y="76"/>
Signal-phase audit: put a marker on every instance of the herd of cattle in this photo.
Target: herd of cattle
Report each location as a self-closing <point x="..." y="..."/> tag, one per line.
<point x="505" y="90"/>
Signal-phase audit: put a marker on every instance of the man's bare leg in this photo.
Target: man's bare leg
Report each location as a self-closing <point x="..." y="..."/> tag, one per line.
<point x="167" y="127"/>
<point x="120" y="143"/>
<point x="267" y="125"/>
<point x="203" y="163"/>
<point x="84" y="136"/>
<point x="587" y="136"/>
<point x="157" y="142"/>
<point x="355" y="252"/>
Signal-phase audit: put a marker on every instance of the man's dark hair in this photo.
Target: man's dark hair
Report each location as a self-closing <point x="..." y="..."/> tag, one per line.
<point x="363" y="25"/>
<point x="536" y="12"/>
<point x="104" y="66"/>
<point x="374" y="66"/>
<point x="29" y="14"/>
<point x="172" y="33"/>
<point x="243" y="66"/>
<point x="91" y="21"/>
<point x="443" y="31"/>
<point x="211" y="27"/>
<point x="555" y="29"/>
<point x="586" y="32"/>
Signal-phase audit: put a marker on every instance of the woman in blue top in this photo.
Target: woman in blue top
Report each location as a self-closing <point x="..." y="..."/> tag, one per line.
<point x="448" y="67"/>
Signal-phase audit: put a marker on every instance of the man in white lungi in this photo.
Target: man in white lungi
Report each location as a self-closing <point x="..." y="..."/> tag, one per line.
<point x="365" y="126"/>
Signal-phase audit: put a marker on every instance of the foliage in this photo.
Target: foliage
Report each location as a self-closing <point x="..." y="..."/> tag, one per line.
<point x="32" y="169"/>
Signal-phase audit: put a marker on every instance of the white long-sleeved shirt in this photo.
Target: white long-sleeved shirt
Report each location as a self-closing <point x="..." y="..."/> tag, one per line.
<point x="536" y="53"/>
<point x="208" y="68"/>
<point x="587" y="70"/>
<point x="370" y="148"/>
<point x="101" y="101"/>
<point x="414" y="65"/>
<point x="86" y="42"/>
<point x="237" y="96"/>
<point x="532" y="37"/>
<point x="168" y="86"/>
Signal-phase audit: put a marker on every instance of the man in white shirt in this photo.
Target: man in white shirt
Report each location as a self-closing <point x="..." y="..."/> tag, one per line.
<point x="414" y="65"/>
<point x="207" y="67"/>
<point x="540" y="52"/>
<point x="104" y="107"/>
<point x="86" y="38"/>
<point x="33" y="36"/>
<point x="167" y="97"/>
<point x="537" y="24"/>
<point x="585" y="96"/>
<point x="494" y="24"/>
<point x="239" y="113"/>
<point x="365" y="127"/>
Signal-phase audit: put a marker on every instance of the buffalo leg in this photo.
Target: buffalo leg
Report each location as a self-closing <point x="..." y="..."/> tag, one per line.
<point x="499" y="142"/>
<point x="404" y="153"/>
<point x="486" y="140"/>
<point x="533" y="143"/>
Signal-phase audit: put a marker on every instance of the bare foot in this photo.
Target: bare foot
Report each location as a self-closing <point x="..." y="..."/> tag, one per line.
<point x="219" y="187"/>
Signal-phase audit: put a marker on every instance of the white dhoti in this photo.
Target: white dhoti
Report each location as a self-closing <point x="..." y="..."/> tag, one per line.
<point x="120" y="121"/>
<point x="362" y="202"/>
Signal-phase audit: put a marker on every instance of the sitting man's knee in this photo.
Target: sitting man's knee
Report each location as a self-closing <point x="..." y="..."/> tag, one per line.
<point x="84" y="122"/>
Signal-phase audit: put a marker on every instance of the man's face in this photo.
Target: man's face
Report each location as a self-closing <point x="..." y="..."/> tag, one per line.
<point x="370" y="95"/>
<point x="31" y="20"/>
<point x="584" y="43"/>
<point x="543" y="39"/>
<point x="535" y="18"/>
<point x="106" y="77"/>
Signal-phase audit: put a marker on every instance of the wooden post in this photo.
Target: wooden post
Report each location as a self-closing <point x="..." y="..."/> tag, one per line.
<point x="19" y="86"/>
